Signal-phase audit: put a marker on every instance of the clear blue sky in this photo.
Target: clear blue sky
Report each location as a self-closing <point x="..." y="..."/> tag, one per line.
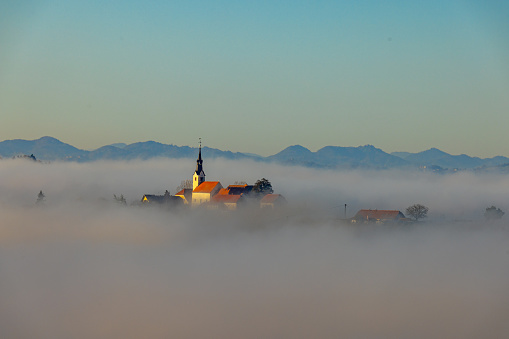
<point x="258" y="76"/>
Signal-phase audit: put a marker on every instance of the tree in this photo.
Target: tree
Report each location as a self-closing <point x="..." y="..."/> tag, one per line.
<point x="417" y="211"/>
<point x="185" y="184"/>
<point x="493" y="213"/>
<point x="40" y="198"/>
<point x="121" y="200"/>
<point x="263" y="186"/>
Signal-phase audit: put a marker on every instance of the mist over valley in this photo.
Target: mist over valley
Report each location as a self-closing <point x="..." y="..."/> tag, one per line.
<point x="81" y="265"/>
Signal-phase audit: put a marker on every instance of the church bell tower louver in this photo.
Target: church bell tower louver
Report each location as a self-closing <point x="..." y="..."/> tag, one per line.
<point x="199" y="174"/>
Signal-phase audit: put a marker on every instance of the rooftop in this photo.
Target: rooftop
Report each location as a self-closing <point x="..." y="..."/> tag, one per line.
<point x="206" y="187"/>
<point x="379" y="214"/>
<point x="270" y="198"/>
<point x="226" y="198"/>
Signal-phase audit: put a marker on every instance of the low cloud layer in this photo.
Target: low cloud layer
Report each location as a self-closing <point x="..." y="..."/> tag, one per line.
<point x="82" y="266"/>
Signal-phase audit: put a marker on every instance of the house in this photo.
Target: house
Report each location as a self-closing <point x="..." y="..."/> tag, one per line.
<point x="185" y="194"/>
<point x="240" y="189"/>
<point x="165" y="200"/>
<point x="204" y="192"/>
<point x="378" y="216"/>
<point x="272" y="201"/>
<point x="227" y="201"/>
<point x="231" y="197"/>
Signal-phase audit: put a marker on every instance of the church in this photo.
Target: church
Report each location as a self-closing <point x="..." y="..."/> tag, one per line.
<point x="214" y="196"/>
<point x="202" y="191"/>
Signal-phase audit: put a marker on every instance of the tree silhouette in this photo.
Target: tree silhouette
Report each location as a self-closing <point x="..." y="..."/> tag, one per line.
<point x="121" y="200"/>
<point x="185" y="184"/>
<point x="40" y="197"/>
<point x="493" y="213"/>
<point x="417" y="211"/>
<point x="262" y="187"/>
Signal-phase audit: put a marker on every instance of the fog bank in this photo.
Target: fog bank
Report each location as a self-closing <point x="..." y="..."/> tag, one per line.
<point x="82" y="266"/>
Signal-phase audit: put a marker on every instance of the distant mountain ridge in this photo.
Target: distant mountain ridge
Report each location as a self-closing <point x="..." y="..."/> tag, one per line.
<point x="436" y="157"/>
<point x="338" y="157"/>
<point x="51" y="149"/>
<point x="368" y="156"/>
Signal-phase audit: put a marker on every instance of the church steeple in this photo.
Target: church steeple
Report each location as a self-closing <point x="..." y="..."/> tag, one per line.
<point x="199" y="174"/>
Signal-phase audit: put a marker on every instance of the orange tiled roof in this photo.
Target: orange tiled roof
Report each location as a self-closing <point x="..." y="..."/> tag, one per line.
<point x="185" y="193"/>
<point x="379" y="214"/>
<point x="225" y="198"/>
<point x="270" y="198"/>
<point x="223" y="191"/>
<point x="237" y="185"/>
<point x="206" y="187"/>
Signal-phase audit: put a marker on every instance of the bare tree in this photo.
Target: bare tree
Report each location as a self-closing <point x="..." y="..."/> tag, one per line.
<point x="121" y="200"/>
<point x="185" y="184"/>
<point x="417" y="211"/>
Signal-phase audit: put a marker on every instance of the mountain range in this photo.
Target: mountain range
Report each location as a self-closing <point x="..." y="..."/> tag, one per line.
<point x="368" y="156"/>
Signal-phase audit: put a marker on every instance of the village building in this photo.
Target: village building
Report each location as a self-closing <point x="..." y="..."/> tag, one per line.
<point x="272" y="201"/>
<point x="378" y="216"/>
<point x="186" y="195"/>
<point x="232" y="197"/>
<point x="240" y="189"/>
<point x="166" y="200"/>
<point x="227" y="201"/>
<point x="204" y="192"/>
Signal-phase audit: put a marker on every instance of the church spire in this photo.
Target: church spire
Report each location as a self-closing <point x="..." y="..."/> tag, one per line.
<point x="199" y="162"/>
<point x="199" y="174"/>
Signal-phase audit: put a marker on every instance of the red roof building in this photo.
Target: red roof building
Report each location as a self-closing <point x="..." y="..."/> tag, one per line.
<point x="272" y="200"/>
<point x="378" y="216"/>
<point x="185" y="194"/>
<point x="205" y="191"/>
<point x="227" y="201"/>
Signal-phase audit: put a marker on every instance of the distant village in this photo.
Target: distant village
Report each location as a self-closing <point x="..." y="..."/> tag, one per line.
<point x="212" y="195"/>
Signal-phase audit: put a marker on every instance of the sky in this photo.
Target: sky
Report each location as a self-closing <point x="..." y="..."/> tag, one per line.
<point x="258" y="76"/>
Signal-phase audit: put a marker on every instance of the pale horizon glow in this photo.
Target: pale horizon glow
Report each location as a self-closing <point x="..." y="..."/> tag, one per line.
<point x="258" y="77"/>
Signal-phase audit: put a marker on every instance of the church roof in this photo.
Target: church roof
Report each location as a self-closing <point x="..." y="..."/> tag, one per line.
<point x="206" y="187"/>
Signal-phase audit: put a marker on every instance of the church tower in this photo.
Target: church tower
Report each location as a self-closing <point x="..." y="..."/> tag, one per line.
<point x="199" y="175"/>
